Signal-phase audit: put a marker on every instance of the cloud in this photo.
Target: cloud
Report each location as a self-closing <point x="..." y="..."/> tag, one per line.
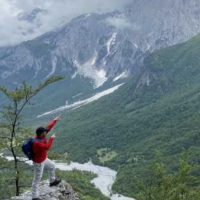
<point x="121" y="23"/>
<point x="14" y="31"/>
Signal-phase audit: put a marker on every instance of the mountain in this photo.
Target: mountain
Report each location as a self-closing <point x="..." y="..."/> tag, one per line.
<point x="97" y="51"/>
<point x="157" y="109"/>
<point x="65" y="51"/>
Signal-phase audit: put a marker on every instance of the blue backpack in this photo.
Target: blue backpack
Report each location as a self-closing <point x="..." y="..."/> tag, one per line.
<point x="27" y="147"/>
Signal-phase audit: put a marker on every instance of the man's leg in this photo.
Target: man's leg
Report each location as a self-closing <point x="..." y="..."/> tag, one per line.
<point x="51" y="168"/>
<point x="38" y="171"/>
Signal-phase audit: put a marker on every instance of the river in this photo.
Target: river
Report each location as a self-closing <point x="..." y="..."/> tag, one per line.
<point x="104" y="181"/>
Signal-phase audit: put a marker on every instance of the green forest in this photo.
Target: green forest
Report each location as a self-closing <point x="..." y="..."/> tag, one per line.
<point x="158" y="109"/>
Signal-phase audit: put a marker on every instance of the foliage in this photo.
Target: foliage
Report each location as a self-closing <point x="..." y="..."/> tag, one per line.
<point x="165" y="185"/>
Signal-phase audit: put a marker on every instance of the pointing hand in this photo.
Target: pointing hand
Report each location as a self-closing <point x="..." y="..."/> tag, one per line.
<point x="57" y="118"/>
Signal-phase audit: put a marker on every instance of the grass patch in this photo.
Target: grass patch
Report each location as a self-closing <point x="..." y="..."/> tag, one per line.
<point x="106" y="155"/>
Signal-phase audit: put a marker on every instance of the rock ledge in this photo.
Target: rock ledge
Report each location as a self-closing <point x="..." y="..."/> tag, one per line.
<point x="61" y="192"/>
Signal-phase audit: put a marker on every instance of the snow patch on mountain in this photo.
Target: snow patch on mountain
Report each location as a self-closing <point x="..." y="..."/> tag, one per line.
<point x="135" y="45"/>
<point x="111" y="42"/>
<point x="54" y="63"/>
<point x="148" y="46"/>
<point x="88" y="70"/>
<point x="81" y="103"/>
<point x="121" y="76"/>
<point x="88" y="15"/>
<point x="77" y="95"/>
<point x="37" y="67"/>
<point x="94" y="59"/>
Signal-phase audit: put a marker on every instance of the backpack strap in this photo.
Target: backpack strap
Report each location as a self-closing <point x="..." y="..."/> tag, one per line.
<point x="35" y="140"/>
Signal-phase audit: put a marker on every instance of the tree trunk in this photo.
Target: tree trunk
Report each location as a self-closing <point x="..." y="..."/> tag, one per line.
<point x="17" y="177"/>
<point x="17" y="183"/>
<point x="17" y="172"/>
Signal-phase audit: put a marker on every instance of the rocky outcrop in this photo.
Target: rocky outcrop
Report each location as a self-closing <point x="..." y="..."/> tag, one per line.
<point x="62" y="192"/>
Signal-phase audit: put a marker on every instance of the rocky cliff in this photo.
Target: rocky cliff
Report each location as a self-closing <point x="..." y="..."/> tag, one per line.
<point x="62" y="192"/>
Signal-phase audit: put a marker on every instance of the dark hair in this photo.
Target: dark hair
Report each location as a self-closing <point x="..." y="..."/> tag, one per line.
<point x="41" y="130"/>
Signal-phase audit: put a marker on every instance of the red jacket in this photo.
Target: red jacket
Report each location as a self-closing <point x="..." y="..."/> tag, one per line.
<point x="40" y="148"/>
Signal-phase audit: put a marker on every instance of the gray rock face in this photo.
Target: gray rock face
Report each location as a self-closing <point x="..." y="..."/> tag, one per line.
<point x="102" y="46"/>
<point x="164" y="23"/>
<point x="62" y="192"/>
<point x="86" y="47"/>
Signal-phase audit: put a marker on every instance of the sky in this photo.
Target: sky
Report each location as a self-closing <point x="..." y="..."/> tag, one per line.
<point x="57" y="12"/>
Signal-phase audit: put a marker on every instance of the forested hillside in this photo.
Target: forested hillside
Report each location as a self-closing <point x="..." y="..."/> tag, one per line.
<point x="157" y="109"/>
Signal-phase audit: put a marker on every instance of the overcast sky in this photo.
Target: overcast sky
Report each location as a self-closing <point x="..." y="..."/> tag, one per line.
<point x="14" y="31"/>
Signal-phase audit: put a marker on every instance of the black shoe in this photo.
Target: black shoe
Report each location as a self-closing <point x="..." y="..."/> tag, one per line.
<point x="36" y="199"/>
<point x="55" y="182"/>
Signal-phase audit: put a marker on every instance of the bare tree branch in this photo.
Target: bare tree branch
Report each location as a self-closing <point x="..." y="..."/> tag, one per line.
<point x="2" y="137"/>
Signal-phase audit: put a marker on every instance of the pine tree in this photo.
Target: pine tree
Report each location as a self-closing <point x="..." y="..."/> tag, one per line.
<point x="165" y="185"/>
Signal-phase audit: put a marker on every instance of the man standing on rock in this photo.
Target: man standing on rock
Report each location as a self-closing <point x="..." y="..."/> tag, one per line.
<point x="40" y="160"/>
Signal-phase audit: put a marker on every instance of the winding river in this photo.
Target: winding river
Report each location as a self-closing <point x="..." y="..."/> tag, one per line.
<point x="104" y="181"/>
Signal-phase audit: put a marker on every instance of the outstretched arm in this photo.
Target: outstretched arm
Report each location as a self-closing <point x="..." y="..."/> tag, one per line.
<point x="52" y="123"/>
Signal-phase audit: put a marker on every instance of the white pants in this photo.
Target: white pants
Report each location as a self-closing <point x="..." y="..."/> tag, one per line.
<point x="38" y="172"/>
